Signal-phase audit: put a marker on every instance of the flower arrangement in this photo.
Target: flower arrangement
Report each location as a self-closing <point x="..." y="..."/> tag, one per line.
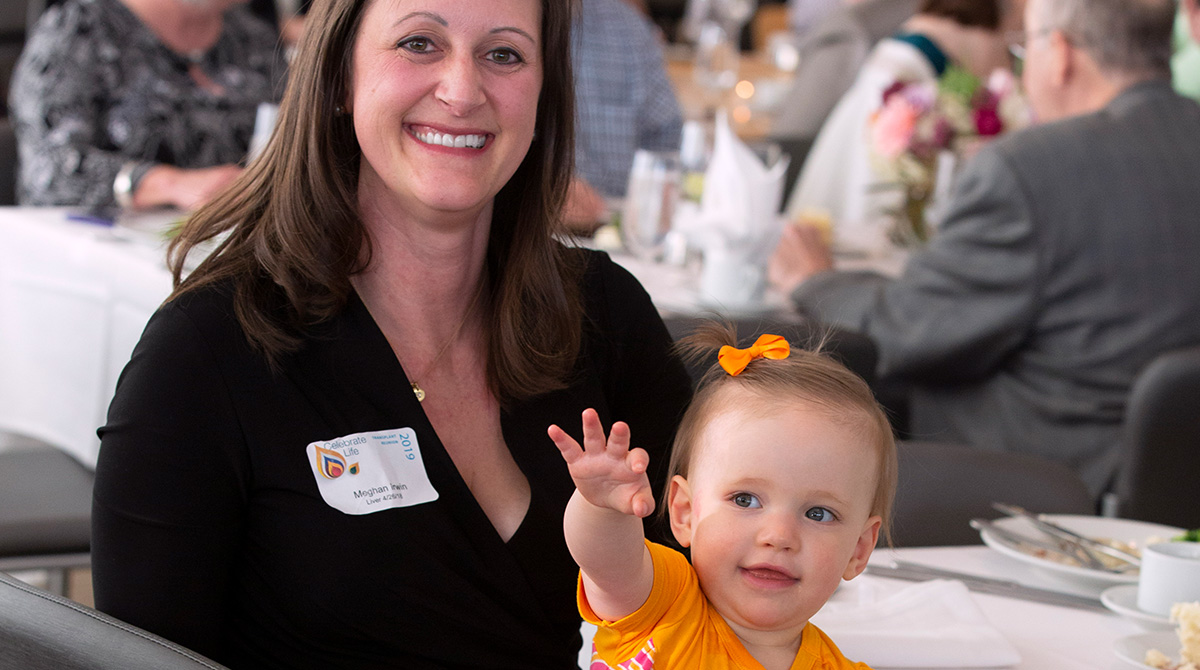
<point x="919" y="123"/>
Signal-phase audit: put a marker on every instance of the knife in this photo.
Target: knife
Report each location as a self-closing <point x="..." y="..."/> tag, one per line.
<point x="1086" y="543"/>
<point x="999" y="587"/>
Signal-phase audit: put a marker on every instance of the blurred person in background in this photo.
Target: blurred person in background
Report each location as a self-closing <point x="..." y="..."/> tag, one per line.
<point x="624" y="102"/>
<point x="1185" y="61"/>
<point x="832" y="52"/>
<point x="140" y="103"/>
<point x="837" y="177"/>
<point x="804" y="15"/>
<point x="1066" y="260"/>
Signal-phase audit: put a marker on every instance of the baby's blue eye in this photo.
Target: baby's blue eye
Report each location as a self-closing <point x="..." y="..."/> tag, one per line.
<point x="746" y="500"/>
<point x="819" y="514"/>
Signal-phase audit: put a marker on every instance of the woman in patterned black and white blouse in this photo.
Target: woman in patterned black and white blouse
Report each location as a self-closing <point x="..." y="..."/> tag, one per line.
<point x="140" y="103"/>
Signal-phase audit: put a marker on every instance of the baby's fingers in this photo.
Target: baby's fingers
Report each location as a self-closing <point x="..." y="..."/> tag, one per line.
<point x="643" y="504"/>
<point x="618" y="439"/>
<point x="637" y="460"/>
<point x="566" y="444"/>
<point x="593" y="432"/>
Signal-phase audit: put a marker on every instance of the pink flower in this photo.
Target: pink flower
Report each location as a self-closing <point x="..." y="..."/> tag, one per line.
<point x="987" y="122"/>
<point x="893" y="127"/>
<point x="1002" y="83"/>
<point x="896" y="87"/>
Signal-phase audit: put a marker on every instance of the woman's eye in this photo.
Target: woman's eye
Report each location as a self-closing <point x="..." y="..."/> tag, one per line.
<point x="819" y="514"/>
<point x="746" y="500"/>
<point x="504" y="57"/>
<point x="416" y="44"/>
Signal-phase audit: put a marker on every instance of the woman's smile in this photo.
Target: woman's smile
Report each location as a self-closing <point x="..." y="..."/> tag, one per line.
<point x="432" y="137"/>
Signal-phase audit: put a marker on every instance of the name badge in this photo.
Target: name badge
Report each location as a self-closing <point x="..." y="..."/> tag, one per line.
<point x="369" y="472"/>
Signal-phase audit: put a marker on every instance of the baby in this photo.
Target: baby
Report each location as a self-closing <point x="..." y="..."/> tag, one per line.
<point x="782" y="476"/>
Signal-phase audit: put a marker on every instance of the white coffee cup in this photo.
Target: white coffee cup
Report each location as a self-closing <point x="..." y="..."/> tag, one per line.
<point x="731" y="281"/>
<point x="1170" y="574"/>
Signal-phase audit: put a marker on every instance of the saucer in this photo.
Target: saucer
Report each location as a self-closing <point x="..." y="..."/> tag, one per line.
<point x="1133" y="649"/>
<point x="1123" y="600"/>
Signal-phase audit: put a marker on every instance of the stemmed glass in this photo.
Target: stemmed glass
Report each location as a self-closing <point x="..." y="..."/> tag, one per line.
<point x="733" y="14"/>
<point x="717" y="44"/>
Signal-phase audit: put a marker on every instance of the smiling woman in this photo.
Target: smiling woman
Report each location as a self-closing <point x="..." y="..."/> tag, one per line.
<point x="433" y="75"/>
<point x="328" y="449"/>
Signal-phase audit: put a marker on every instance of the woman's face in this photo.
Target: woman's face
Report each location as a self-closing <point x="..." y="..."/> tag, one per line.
<point x="444" y="98"/>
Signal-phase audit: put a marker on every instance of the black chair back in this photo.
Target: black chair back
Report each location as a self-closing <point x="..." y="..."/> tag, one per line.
<point x="1160" y="458"/>
<point x="42" y="631"/>
<point x="943" y="486"/>
<point x="45" y="513"/>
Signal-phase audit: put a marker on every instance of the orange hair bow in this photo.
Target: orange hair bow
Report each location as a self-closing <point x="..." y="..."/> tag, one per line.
<point x="734" y="360"/>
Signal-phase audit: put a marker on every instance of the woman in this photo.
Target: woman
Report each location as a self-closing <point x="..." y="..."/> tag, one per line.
<point x="837" y="178"/>
<point x="329" y="449"/>
<point x="139" y="103"/>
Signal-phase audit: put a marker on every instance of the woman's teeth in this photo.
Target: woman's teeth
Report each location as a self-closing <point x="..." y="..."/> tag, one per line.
<point x="453" y="141"/>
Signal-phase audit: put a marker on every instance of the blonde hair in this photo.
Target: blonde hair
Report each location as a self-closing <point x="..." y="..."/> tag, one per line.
<point x="806" y="375"/>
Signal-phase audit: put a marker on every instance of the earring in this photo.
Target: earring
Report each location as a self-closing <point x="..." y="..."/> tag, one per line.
<point x="338" y="110"/>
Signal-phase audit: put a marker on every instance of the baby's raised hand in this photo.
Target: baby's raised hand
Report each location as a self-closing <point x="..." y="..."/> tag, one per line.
<point x="607" y="472"/>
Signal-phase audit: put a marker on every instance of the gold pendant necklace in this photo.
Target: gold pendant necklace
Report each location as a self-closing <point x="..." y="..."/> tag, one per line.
<point x="416" y="386"/>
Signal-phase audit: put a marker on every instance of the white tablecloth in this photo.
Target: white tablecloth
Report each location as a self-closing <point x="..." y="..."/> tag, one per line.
<point x="74" y="298"/>
<point x="1048" y="637"/>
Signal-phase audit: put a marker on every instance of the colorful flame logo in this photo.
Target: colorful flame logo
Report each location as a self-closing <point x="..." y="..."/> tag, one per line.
<point x="331" y="464"/>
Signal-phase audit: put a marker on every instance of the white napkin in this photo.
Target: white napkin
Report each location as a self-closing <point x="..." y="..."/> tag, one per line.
<point x="932" y="624"/>
<point x="739" y="209"/>
<point x="737" y="224"/>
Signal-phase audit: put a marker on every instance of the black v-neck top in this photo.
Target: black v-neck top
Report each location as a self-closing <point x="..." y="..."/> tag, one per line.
<point x="209" y="528"/>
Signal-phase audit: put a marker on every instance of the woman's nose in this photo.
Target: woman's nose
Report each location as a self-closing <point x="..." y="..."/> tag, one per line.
<point x="461" y="85"/>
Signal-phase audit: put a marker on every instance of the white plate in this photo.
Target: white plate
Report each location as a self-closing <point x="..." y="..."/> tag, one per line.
<point x="1125" y="530"/>
<point x="1122" y="599"/>
<point x="1133" y="649"/>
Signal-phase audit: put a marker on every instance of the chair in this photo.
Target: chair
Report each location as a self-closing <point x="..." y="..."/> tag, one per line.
<point x="45" y="513"/>
<point x="43" y="631"/>
<point x="943" y="486"/>
<point x="1160" y="458"/>
<point x="8" y="163"/>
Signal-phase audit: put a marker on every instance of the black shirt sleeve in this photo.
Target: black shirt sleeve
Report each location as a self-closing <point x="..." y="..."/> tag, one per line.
<point x="172" y="446"/>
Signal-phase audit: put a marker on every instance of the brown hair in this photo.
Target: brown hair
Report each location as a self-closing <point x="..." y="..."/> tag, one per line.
<point x="807" y="375"/>
<point x="974" y="13"/>
<point x="294" y="235"/>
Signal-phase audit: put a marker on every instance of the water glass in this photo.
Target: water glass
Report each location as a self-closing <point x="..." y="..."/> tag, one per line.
<point x="718" y="59"/>
<point x="654" y="189"/>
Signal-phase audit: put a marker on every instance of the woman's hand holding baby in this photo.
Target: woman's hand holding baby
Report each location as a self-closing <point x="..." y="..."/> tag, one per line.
<point x="607" y="472"/>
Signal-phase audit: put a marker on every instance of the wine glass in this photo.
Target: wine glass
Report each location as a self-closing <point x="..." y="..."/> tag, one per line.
<point x="734" y="14"/>
<point x="655" y="182"/>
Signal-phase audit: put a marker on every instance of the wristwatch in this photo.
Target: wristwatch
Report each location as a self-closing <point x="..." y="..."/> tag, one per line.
<point x="126" y="182"/>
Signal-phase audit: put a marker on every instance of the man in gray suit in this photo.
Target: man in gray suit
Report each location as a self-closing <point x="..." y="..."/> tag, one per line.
<point x="1068" y="258"/>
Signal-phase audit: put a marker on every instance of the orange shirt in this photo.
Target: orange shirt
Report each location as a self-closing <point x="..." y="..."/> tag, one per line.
<point x="678" y="628"/>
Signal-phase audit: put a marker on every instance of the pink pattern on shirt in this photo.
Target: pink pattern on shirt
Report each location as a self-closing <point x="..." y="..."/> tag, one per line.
<point x="643" y="661"/>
